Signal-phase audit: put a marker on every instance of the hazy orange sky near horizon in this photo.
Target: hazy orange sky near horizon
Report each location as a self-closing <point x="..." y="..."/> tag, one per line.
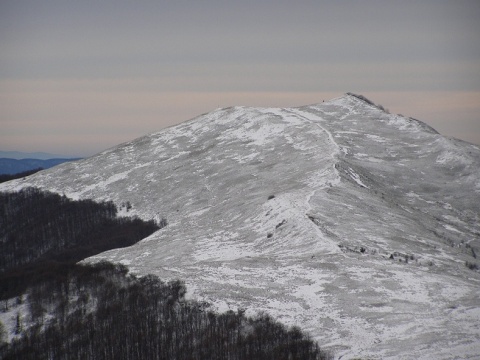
<point x="79" y="77"/>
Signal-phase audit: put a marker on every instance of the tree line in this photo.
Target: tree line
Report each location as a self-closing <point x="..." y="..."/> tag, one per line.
<point x="101" y="311"/>
<point x="40" y="230"/>
<point x="8" y="177"/>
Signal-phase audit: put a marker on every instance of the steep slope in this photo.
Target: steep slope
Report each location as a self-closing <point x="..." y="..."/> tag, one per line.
<point x="351" y="222"/>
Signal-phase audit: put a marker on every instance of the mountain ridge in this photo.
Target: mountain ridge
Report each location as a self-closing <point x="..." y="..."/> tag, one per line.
<point x="10" y="166"/>
<point x="351" y="222"/>
<point x="18" y="155"/>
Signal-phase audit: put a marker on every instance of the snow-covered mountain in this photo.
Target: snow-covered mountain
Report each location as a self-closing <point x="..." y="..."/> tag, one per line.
<point x="355" y="224"/>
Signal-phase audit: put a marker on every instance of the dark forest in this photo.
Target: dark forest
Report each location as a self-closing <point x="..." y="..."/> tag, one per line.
<point x="42" y="231"/>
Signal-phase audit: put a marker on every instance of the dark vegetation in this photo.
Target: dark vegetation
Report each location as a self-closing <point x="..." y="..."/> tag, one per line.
<point x="7" y="177"/>
<point x="471" y="265"/>
<point x="363" y="98"/>
<point x="72" y="311"/>
<point x="101" y="312"/>
<point x="42" y="232"/>
<point x="283" y="222"/>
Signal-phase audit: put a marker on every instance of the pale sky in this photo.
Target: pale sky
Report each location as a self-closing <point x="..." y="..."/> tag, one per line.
<point x="77" y="77"/>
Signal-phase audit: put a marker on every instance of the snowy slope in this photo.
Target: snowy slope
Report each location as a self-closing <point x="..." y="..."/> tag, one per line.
<point x="351" y="222"/>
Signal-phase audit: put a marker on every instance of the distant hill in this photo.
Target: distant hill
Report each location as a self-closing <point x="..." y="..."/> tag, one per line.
<point x="11" y="166"/>
<point x="30" y="155"/>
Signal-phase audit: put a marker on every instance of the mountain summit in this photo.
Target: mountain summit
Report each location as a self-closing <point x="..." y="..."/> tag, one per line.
<point x="360" y="226"/>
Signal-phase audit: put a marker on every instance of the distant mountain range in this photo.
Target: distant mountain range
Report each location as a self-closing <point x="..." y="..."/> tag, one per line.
<point x="360" y="226"/>
<point x="30" y="155"/>
<point x="14" y="162"/>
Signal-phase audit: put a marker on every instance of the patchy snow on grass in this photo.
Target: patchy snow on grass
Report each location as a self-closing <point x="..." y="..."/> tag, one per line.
<point x="260" y="218"/>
